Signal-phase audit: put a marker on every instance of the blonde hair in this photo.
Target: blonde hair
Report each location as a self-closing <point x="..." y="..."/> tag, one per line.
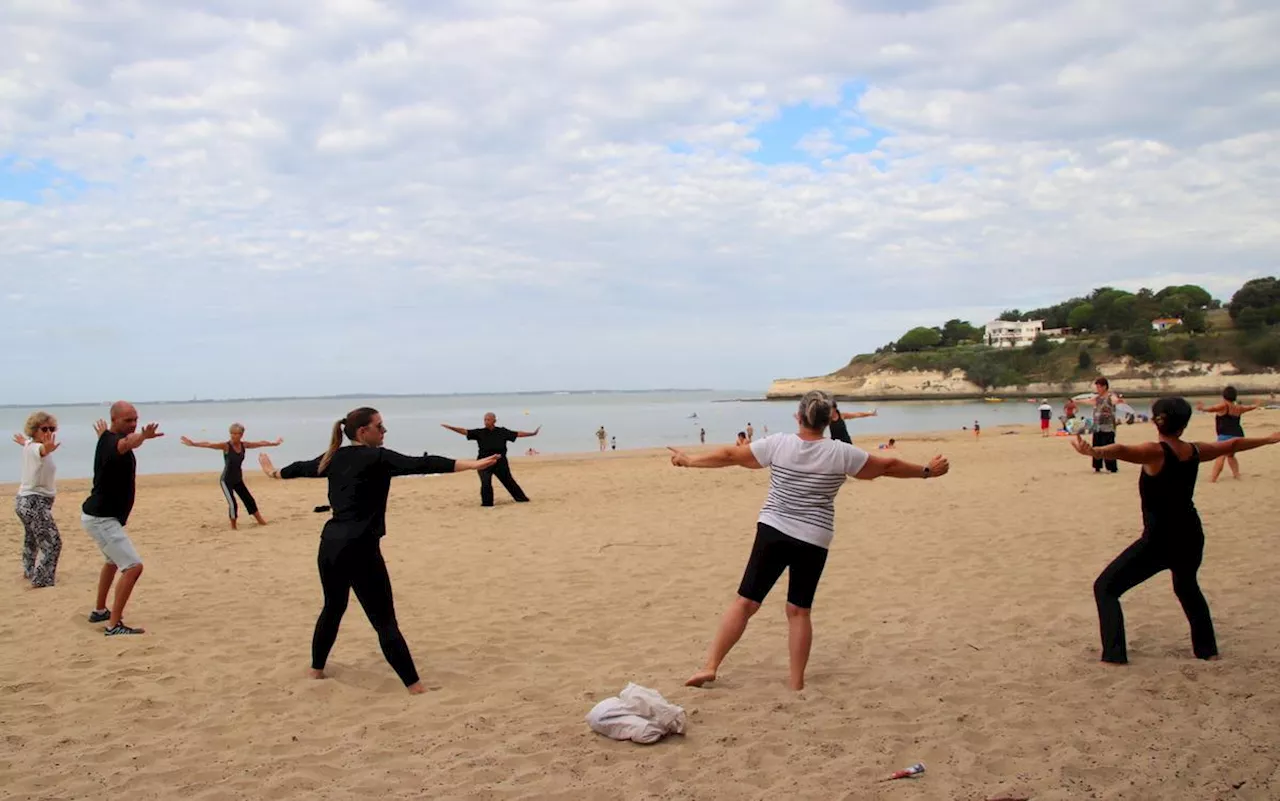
<point x="235" y="427"/>
<point x="36" y="420"/>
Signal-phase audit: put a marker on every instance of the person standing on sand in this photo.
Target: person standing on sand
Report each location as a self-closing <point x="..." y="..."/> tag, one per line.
<point x="751" y="433"/>
<point x="492" y="441"/>
<point x="702" y="436"/>
<point x="840" y="431"/>
<point x="232" y="478"/>
<point x="359" y="477"/>
<point x="1104" y="421"/>
<point x="41" y="542"/>
<point x="1172" y="536"/>
<point x="795" y="525"/>
<point x="1227" y="426"/>
<point x="105" y="512"/>
<point x="601" y="436"/>
<point x="1046" y="415"/>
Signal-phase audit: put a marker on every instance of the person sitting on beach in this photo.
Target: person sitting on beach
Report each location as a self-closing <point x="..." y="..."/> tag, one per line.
<point x="1227" y="425"/>
<point x="359" y="478"/>
<point x="890" y="445"/>
<point x="796" y="524"/>
<point x="742" y="438"/>
<point x="1172" y="536"/>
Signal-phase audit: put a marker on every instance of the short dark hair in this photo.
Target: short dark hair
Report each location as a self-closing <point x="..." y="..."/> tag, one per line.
<point x="1103" y="381"/>
<point x="1230" y="394"/>
<point x="1171" y="415"/>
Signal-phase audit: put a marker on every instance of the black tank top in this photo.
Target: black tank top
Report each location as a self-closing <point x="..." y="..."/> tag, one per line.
<point x="1168" y="506"/>
<point x="1229" y="424"/>
<point x="840" y="431"/>
<point x="232" y="464"/>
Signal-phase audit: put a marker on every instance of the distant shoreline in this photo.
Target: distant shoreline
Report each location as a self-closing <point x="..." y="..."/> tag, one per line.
<point x="1008" y="396"/>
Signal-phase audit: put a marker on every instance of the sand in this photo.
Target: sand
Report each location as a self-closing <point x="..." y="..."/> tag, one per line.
<point x="955" y="626"/>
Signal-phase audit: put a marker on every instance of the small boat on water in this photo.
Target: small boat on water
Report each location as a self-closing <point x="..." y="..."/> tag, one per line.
<point x="994" y="400"/>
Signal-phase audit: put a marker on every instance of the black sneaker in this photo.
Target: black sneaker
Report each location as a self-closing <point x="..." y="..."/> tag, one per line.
<point x="98" y="617"/>
<point x="121" y="628"/>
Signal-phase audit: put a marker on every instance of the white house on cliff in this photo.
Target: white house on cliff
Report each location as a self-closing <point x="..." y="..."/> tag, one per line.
<point x="1013" y="334"/>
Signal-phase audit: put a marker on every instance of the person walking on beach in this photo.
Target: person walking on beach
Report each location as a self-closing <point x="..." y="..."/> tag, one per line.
<point x="751" y="433"/>
<point x="1172" y="536"/>
<point x="105" y="513"/>
<point x="601" y="435"/>
<point x="702" y="436"/>
<point x="41" y="541"/>
<point x="1104" y="421"/>
<point x="1227" y="424"/>
<point x="840" y="431"/>
<point x="232" y="478"/>
<point x="796" y="524"/>
<point x="350" y="558"/>
<point x="491" y="440"/>
<point x="1046" y="416"/>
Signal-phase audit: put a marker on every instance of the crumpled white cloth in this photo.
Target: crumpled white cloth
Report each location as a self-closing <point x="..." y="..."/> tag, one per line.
<point x="637" y="714"/>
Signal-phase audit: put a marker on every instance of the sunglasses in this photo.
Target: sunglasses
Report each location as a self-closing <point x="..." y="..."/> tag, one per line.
<point x="48" y="429"/>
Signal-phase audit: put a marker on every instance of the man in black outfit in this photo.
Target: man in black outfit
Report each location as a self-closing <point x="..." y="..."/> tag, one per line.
<point x="492" y="441"/>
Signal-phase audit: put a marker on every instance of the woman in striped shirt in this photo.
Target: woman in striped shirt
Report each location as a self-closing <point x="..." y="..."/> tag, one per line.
<point x="796" y="524"/>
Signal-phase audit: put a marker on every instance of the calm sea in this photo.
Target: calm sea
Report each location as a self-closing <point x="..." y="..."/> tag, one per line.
<point x="569" y="422"/>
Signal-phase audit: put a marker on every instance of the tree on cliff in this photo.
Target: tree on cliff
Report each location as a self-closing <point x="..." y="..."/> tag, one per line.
<point x="1262" y="294"/>
<point x="919" y="339"/>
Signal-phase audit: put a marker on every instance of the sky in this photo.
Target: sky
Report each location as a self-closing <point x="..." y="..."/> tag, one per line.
<point x="236" y="198"/>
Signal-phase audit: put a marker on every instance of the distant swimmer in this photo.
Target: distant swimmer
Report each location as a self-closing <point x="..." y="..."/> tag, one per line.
<point x="1227" y="425"/>
<point x="232" y="478"/>
<point x="491" y="440"/>
<point x="1172" y="536"/>
<point x="359" y="478"/>
<point x="795" y="525"/>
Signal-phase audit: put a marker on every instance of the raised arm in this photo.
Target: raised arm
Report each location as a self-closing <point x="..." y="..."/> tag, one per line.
<point x="263" y="443"/>
<point x="726" y="456"/>
<point x="307" y="469"/>
<point x="532" y="433"/>
<point x="1212" y="450"/>
<point x="893" y="467"/>
<point x="454" y="429"/>
<point x="857" y="415"/>
<point x="1143" y="453"/>
<point x="217" y="446"/>
<point x="400" y="464"/>
<point x="135" y="440"/>
<point x="20" y="439"/>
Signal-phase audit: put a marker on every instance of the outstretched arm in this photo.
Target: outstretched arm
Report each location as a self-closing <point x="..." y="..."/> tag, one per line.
<point x="893" y="467"/>
<point x="857" y="415"/>
<point x="217" y="446"/>
<point x="135" y="440"/>
<point x="263" y="443"/>
<point x="1144" y="453"/>
<point x="307" y="469"/>
<point x="454" y="429"/>
<point x="727" y="456"/>
<point x="1254" y="408"/>
<point x="532" y="433"/>
<point x="403" y="465"/>
<point x="20" y="439"/>
<point x="1212" y="450"/>
<point x="1215" y="409"/>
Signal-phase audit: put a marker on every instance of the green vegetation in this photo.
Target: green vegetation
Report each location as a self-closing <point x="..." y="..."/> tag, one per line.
<point x="1106" y="325"/>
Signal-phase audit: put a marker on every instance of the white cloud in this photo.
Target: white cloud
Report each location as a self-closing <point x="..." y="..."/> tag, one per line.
<point x="400" y="196"/>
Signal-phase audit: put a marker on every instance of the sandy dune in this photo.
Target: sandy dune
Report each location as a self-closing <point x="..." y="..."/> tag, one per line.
<point x="954" y="626"/>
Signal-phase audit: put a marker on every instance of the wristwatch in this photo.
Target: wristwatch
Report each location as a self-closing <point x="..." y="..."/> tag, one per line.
<point x="927" y="471"/>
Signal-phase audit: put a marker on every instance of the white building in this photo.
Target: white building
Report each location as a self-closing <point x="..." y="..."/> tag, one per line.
<point x="1165" y="323"/>
<point x="1006" y="334"/>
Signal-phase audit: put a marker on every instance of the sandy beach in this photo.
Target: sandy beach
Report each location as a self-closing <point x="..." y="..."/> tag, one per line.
<point x="955" y="626"/>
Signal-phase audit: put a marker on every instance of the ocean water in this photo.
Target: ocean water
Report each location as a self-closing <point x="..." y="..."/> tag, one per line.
<point x="569" y="422"/>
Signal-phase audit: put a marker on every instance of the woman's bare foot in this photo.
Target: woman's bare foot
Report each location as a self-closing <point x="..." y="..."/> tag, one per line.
<point x="796" y="685"/>
<point x="234" y="526"/>
<point x="416" y="688"/>
<point x="700" y="678"/>
<point x="315" y="674"/>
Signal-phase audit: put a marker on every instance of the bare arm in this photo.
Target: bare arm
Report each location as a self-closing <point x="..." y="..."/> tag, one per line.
<point x="454" y="429"/>
<point x="20" y="439"/>
<point x="262" y="443"/>
<point x="857" y="415"/>
<point x="1144" y="453"/>
<point x="1212" y="450"/>
<point x="532" y="433"/>
<point x="727" y="456"/>
<point x="893" y="467"/>
<point x="135" y="440"/>
<point x="217" y="446"/>
<point x="1216" y="409"/>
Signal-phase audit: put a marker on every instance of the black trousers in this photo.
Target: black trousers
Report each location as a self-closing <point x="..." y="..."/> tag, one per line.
<point x="347" y="566"/>
<point x="502" y="471"/>
<point x="1101" y="438"/>
<point x="238" y="488"/>
<point x="1143" y="559"/>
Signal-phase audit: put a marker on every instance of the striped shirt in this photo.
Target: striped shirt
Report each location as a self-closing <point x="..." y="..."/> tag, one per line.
<point x="804" y="477"/>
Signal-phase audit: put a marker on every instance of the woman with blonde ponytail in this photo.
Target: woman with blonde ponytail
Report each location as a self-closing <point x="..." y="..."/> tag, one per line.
<point x="350" y="558"/>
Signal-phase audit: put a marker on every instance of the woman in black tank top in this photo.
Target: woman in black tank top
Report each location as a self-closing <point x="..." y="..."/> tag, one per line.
<point x="232" y="478"/>
<point x="1227" y="425"/>
<point x="1172" y="538"/>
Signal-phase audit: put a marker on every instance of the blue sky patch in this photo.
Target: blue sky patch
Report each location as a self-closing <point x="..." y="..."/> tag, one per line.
<point x="36" y="182"/>
<point x="840" y="129"/>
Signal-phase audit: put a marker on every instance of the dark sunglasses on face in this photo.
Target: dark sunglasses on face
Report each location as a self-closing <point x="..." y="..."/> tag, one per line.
<point x="48" y="429"/>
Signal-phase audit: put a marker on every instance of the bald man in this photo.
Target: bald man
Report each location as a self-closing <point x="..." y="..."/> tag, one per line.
<point x="492" y="440"/>
<point x="106" y="511"/>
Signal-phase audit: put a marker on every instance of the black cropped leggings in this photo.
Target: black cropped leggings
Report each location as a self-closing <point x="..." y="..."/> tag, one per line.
<point x="358" y="566"/>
